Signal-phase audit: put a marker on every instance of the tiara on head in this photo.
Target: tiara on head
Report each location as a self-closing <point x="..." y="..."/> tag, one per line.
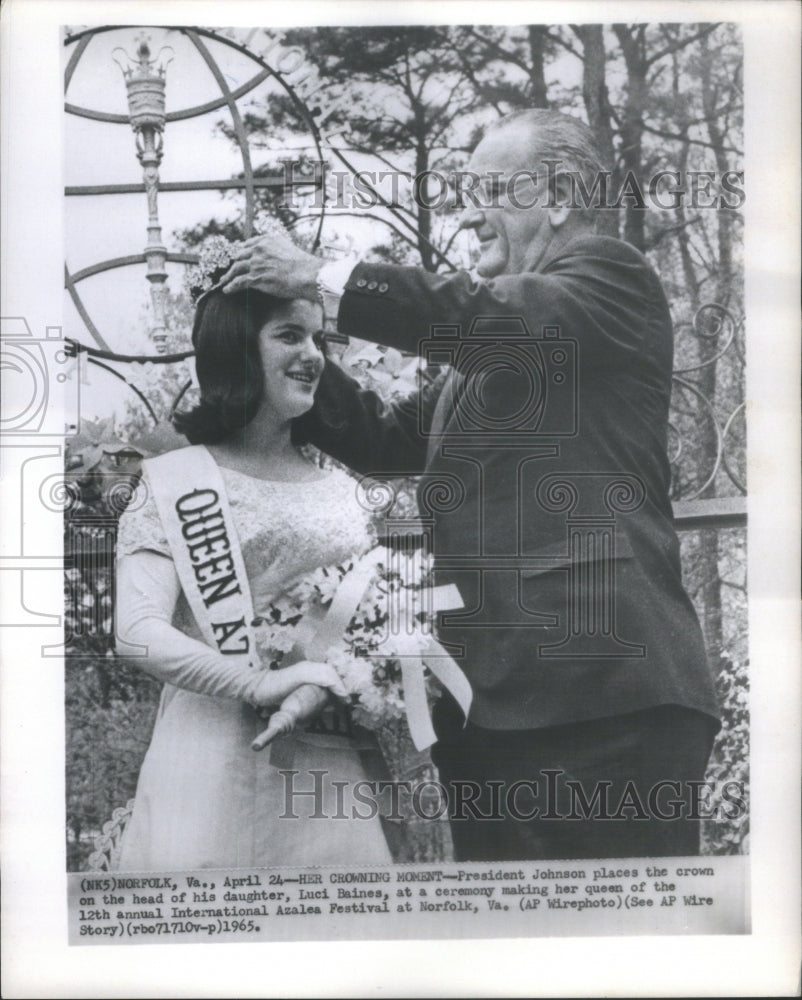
<point x="214" y="259"/>
<point x="217" y="253"/>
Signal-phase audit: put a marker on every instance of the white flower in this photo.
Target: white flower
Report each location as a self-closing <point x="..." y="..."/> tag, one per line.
<point x="214" y="257"/>
<point x="283" y="641"/>
<point x="305" y="591"/>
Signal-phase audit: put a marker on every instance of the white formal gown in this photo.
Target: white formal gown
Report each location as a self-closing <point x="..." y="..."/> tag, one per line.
<point x="204" y="798"/>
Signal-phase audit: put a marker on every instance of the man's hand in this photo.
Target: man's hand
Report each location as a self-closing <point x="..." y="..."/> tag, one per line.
<point x="276" y="266"/>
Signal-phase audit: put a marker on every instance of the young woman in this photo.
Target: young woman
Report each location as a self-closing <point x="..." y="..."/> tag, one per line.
<point x="205" y="798"/>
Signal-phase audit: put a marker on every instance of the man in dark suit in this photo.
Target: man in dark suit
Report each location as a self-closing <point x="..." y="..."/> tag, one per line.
<point x="545" y="494"/>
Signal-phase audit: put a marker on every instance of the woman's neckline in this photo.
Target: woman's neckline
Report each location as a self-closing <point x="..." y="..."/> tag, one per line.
<point x="260" y="479"/>
<point x="282" y="482"/>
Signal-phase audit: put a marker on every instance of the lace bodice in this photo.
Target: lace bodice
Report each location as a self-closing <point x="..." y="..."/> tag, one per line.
<point x="285" y="529"/>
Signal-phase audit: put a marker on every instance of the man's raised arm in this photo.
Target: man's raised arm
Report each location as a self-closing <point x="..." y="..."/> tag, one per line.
<point x="358" y="428"/>
<point x="600" y="290"/>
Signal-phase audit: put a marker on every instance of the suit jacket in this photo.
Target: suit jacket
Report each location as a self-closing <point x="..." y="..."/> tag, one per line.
<point x="545" y="489"/>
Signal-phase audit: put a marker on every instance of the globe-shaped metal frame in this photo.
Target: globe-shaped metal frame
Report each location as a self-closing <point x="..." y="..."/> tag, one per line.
<point x="100" y="352"/>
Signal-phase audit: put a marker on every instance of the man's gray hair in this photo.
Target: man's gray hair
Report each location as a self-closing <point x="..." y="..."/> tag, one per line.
<point x="553" y="136"/>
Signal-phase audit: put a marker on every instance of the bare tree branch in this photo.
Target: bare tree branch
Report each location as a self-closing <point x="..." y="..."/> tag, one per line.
<point x="678" y="137"/>
<point x="681" y="43"/>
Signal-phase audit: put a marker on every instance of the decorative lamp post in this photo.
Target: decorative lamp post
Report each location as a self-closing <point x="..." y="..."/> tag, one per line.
<point x="145" y="83"/>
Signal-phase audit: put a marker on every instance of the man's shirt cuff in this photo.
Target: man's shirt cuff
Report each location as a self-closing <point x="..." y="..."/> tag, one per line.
<point x="333" y="276"/>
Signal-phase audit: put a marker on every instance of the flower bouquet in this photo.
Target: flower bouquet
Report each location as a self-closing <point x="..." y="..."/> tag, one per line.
<point x="373" y="624"/>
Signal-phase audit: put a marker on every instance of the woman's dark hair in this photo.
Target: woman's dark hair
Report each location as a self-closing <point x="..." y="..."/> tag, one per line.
<point x="225" y="335"/>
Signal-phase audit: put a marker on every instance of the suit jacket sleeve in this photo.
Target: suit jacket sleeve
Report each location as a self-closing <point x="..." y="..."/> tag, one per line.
<point x="358" y="428"/>
<point x="598" y="291"/>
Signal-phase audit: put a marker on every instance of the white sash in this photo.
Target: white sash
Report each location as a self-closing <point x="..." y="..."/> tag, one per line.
<point x="190" y="496"/>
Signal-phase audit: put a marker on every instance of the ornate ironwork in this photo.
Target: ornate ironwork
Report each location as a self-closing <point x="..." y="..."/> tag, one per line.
<point x="707" y="456"/>
<point x="145" y="82"/>
<point x="108" y="843"/>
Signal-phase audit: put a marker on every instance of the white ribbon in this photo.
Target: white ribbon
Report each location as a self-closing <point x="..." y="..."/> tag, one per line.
<point x="343" y="605"/>
<point x="342" y="609"/>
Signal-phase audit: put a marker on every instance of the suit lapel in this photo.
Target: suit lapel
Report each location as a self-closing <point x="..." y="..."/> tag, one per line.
<point x="443" y="412"/>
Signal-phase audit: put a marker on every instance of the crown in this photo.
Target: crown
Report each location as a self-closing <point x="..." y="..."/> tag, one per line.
<point x="214" y="259"/>
<point x="217" y="253"/>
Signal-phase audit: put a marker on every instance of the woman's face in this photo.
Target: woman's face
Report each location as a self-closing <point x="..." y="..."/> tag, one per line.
<point x="292" y="360"/>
